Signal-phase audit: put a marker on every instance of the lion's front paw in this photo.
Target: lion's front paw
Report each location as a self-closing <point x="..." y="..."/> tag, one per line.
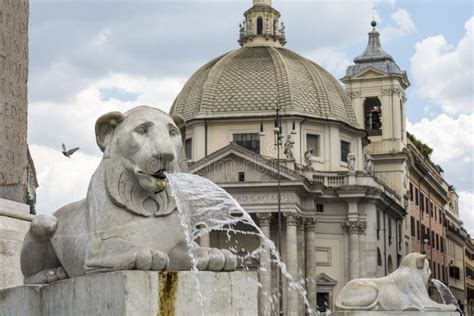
<point x="151" y="259"/>
<point x="220" y="259"/>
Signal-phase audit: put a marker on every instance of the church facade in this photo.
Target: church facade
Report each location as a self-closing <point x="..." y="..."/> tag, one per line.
<point x="321" y="168"/>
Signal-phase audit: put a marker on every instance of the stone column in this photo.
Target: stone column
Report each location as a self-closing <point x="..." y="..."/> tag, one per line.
<point x="292" y="261"/>
<point x="311" y="286"/>
<point x="301" y="261"/>
<point x="13" y="99"/>
<point x="265" y="273"/>
<point x="354" y="257"/>
<point x="363" y="249"/>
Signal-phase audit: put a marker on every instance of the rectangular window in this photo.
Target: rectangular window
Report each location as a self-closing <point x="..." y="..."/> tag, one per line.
<point x="389" y="231"/>
<point x="441" y="239"/>
<point x="313" y="142"/>
<point x="251" y="141"/>
<point x="411" y="191"/>
<point x="241" y="176"/>
<point x="345" y="150"/>
<point x="417" y="197"/>
<point x="422" y="203"/>
<point x="378" y="225"/>
<point x="320" y="208"/>
<point x="412" y="226"/>
<point x="188" y="148"/>
<point x="418" y="230"/>
<point x="431" y="209"/>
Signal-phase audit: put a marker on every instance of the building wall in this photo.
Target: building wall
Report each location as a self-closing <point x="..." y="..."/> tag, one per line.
<point x="220" y="134"/>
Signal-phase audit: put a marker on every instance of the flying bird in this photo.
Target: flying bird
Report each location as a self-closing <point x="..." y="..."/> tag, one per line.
<point x="69" y="152"/>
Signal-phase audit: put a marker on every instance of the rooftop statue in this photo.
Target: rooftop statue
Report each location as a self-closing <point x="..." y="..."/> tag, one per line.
<point x="402" y="290"/>
<point x="129" y="218"/>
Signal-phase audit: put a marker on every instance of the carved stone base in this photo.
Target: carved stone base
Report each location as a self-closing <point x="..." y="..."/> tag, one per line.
<point x="137" y="293"/>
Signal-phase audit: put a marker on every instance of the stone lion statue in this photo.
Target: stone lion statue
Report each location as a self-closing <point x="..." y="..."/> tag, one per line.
<point x="128" y="219"/>
<point x="403" y="290"/>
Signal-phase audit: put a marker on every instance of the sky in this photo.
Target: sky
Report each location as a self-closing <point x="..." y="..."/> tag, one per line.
<point x="90" y="57"/>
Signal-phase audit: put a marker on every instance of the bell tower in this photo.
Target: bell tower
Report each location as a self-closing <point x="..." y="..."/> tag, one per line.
<point x="262" y="26"/>
<point x="376" y="86"/>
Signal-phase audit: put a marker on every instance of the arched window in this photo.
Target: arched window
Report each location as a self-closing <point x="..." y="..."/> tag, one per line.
<point x="379" y="257"/>
<point x="259" y="25"/>
<point x="373" y="116"/>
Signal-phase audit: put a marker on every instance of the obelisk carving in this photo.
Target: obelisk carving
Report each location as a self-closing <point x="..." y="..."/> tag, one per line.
<point x="13" y="98"/>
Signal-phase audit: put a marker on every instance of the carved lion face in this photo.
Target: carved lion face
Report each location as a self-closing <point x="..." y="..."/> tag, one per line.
<point x="138" y="146"/>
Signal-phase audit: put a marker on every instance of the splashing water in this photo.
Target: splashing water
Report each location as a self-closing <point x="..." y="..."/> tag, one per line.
<point x="446" y="295"/>
<point x="203" y="207"/>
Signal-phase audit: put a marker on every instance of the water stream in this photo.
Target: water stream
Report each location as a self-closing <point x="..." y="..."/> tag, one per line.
<point x="203" y="207"/>
<point x="446" y="295"/>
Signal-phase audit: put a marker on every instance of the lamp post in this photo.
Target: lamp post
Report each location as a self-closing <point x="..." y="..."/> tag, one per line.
<point x="278" y="136"/>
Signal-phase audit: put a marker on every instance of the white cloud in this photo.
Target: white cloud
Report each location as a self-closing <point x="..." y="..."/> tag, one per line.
<point x="62" y="180"/>
<point x="402" y="25"/>
<point x="443" y="73"/>
<point x="331" y="59"/>
<point x="72" y="121"/>
<point x="452" y="139"/>
<point x="466" y="209"/>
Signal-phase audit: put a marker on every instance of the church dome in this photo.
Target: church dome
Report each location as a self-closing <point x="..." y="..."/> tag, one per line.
<point x="254" y="81"/>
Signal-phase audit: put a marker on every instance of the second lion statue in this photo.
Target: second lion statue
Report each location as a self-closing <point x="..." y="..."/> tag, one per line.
<point x="128" y="219"/>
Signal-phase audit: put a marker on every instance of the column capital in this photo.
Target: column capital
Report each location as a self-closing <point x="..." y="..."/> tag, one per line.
<point x="291" y="219"/>
<point x="362" y="227"/>
<point x="265" y="219"/>
<point x="352" y="226"/>
<point x="310" y="223"/>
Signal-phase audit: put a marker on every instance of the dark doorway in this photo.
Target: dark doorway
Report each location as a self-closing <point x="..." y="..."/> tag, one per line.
<point x="323" y="302"/>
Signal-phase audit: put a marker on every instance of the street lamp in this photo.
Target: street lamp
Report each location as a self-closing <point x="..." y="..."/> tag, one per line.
<point x="278" y="136"/>
<point x="425" y="242"/>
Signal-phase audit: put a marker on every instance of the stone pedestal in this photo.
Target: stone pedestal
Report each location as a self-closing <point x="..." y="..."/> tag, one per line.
<point x="137" y="293"/>
<point x="14" y="223"/>
<point x="414" y="313"/>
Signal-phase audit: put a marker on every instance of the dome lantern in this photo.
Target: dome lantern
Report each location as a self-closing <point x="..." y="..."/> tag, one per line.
<point x="262" y="26"/>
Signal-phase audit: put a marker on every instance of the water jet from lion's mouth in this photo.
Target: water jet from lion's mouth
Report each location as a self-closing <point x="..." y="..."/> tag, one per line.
<point x="160" y="174"/>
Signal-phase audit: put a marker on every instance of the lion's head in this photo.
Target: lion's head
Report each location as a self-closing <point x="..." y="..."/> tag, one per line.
<point x="139" y="145"/>
<point x="417" y="262"/>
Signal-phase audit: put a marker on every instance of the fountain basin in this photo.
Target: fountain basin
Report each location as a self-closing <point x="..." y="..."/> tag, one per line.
<point x="137" y="293"/>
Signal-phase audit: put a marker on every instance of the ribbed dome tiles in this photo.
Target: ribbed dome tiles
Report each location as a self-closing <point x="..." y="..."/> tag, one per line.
<point x="253" y="81"/>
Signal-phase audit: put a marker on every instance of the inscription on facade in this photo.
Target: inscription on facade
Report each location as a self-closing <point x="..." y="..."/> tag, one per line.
<point x="253" y="198"/>
<point x="13" y="97"/>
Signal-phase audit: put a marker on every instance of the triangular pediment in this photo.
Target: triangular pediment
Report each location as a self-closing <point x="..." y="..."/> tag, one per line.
<point x="227" y="164"/>
<point x="324" y="279"/>
<point x="370" y="73"/>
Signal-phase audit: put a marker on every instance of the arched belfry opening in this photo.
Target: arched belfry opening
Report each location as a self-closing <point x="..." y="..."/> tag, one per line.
<point x="259" y="25"/>
<point x="373" y="116"/>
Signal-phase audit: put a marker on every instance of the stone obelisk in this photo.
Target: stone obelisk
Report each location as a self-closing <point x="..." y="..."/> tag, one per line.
<point x="13" y="99"/>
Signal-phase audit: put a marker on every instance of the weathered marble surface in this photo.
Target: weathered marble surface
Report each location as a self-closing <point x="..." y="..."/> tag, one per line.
<point x="404" y="289"/>
<point x="13" y="98"/>
<point x="385" y="313"/>
<point x="137" y="293"/>
<point x="14" y="224"/>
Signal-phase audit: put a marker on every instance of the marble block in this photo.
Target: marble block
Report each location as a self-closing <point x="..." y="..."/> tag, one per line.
<point x="137" y="293"/>
<point x="14" y="223"/>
